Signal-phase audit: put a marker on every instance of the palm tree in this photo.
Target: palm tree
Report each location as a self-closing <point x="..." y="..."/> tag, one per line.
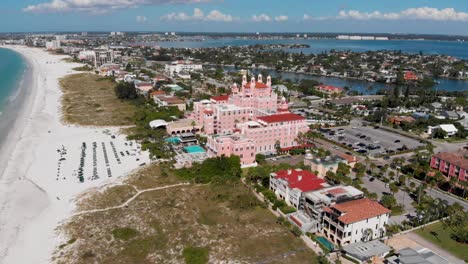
<point x="367" y="235"/>
<point x="453" y="182"/>
<point x="421" y="189"/>
<point x="391" y="174"/>
<point x="372" y="167"/>
<point x="464" y="184"/>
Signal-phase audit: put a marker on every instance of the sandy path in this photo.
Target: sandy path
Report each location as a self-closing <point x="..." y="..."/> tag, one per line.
<point x="126" y="203"/>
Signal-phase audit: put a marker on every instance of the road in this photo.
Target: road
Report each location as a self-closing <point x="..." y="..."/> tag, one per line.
<point x="436" y="193"/>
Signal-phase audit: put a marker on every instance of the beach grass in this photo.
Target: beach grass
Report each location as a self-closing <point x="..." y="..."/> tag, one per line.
<point x="190" y="223"/>
<point x="105" y="197"/>
<point x="441" y="237"/>
<point x="90" y="100"/>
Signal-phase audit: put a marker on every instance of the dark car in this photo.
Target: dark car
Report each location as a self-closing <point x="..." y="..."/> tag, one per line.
<point x="372" y="179"/>
<point x="397" y="141"/>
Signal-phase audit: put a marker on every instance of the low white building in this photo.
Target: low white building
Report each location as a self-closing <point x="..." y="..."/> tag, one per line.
<point x="354" y="221"/>
<point x="448" y="128"/>
<point x="182" y="66"/>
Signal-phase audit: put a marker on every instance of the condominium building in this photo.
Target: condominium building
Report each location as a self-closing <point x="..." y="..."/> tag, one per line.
<point x="290" y="185"/>
<point x="354" y="221"/>
<point x="53" y="45"/>
<point x="451" y="165"/>
<point x="315" y="201"/>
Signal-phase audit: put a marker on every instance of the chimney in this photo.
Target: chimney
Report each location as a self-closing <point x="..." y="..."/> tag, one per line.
<point x="299" y="178"/>
<point x="289" y="171"/>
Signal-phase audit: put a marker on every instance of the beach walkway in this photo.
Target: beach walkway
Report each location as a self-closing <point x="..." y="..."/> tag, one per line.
<point x="126" y="203"/>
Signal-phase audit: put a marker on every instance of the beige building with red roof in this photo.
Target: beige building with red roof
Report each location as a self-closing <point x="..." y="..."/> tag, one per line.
<point x="354" y="221"/>
<point x="168" y="100"/>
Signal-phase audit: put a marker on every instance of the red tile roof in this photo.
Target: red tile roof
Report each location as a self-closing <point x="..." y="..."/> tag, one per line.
<point x="329" y="88"/>
<point x="281" y="118"/>
<point x="158" y="93"/>
<point x="409" y="75"/>
<point x="457" y="160"/>
<point x="301" y="179"/>
<point x="337" y="191"/>
<point x="257" y="85"/>
<point x="358" y="210"/>
<point x="220" y="98"/>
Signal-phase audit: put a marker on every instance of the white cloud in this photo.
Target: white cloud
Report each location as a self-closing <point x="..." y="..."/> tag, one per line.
<point x="214" y="15"/>
<point x="141" y="19"/>
<point x="307" y="17"/>
<point x="261" y="18"/>
<point x="281" y="18"/>
<point x="420" y="13"/>
<point x="98" y="6"/>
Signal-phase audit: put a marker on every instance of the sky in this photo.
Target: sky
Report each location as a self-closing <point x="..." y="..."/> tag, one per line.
<point x="449" y="17"/>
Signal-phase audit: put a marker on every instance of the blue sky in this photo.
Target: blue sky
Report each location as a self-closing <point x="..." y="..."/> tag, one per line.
<point x="391" y="16"/>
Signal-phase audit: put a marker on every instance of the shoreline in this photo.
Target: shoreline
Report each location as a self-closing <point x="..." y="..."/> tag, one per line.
<point x="15" y="111"/>
<point x="38" y="189"/>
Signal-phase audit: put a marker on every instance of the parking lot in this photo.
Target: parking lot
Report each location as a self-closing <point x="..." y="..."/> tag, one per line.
<point x="370" y="140"/>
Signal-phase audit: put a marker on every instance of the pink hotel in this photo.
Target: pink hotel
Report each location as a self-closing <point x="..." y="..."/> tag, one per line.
<point x="249" y="121"/>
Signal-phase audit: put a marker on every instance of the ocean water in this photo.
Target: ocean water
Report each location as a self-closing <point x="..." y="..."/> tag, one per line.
<point x="12" y="67"/>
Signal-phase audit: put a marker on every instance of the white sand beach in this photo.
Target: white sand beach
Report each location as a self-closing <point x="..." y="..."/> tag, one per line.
<point x="41" y="160"/>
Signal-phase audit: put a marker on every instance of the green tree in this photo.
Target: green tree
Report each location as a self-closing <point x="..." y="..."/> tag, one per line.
<point x="393" y="187"/>
<point x="260" y="158"/>
<point x="439" y="133"/>
<point x="388" y="201"/>
<point x="125" y="90"/>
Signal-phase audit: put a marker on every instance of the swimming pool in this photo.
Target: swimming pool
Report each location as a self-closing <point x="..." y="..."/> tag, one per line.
<point x="173" y="140"/>
<point x="194" y="149"/>
<point x="327" y="244"/>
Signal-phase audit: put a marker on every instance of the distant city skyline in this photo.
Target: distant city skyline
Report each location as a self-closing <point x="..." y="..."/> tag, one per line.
<point x="397" y="16"/>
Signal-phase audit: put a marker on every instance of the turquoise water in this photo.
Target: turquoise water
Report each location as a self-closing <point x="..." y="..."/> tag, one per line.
<point x="12" y="67"/>
<point x="325" y="243"/>
<point x="194" y="149"/>
<point x="173" y="140"/>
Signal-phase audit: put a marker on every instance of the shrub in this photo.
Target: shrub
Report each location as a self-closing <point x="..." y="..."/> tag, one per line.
<point x="88" y="254"/>
<point x="296" y="231"/>
<point x="124" y="233"/>
<point x="196" y="255"/>
<point x="287" y="209"/>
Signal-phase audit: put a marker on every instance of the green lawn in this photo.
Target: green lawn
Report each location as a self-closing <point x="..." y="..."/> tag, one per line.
<point x="439" y="236"/>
